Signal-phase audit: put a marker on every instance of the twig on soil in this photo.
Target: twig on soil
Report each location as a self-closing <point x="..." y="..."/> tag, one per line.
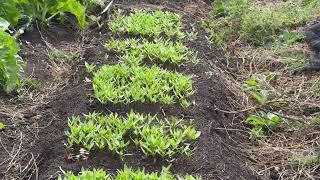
<point x="13" y="157"/>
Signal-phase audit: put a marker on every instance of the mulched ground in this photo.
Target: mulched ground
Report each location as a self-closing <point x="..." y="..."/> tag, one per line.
<point x="33" y="143"/>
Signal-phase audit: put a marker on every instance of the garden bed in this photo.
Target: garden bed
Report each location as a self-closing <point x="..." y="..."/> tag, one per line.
<point x="34" y="140"/>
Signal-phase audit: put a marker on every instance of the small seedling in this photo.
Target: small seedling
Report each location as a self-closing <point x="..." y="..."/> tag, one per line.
<point x="90" y="67"/>
<point x="2" y="126"/>
<point x="192" y="36"/>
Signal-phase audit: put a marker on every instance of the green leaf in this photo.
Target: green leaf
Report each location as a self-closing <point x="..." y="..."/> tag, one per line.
<point x="9" y="11"/>
<point x="10" y="63"/>
<point x="73" y="7"/>
<point x="4" y="24"/>
<point x="1" y="126"/>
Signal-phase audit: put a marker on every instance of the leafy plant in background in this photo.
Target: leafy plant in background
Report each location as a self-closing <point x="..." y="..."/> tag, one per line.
<point x="150" y="24"/>
<point x="156" y="137"/>
<point x="262" y="123"/>
<point x="41" y="10"/>
<point x="124" y="84"/>
<point x="159" y="49"/>
<point x="11" y="64"/>
<point x="126" y="174"/>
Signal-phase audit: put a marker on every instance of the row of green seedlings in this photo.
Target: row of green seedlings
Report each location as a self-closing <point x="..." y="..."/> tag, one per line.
<point x="126" y="174"/>
<point x="127" y="84"/>
<point x="155" y="137"/>
<point x="149" y="24"/>
<point x="132" y="82"/>
<point x="158" y="50"/>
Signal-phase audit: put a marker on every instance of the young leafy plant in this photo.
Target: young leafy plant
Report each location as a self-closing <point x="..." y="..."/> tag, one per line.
<point x="150" y="24"/>
<point x="11" y="64"/>
<point x="124" y="84"/>
<point x="262" y="123"/>
<point x="159" y="49"/>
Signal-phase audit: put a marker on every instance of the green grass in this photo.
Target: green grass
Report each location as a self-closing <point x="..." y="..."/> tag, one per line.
<point x="150" y="24"/>
<point x="261" y="24"/>
<point x="158" y="50"/>
<point x="156" y="137"/>
<point x="126" y="174"/>
<point x="127" y="84"/>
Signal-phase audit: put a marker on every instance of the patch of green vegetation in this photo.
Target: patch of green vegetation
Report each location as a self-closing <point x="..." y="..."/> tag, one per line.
<point x="156" y="137"/>
<point x="150" y="24"/>
<point x="126" y="174"/>
<point x="294" y="59"/>
<point x="262" y="123"/>
<point x="261" y="24"/>
<point x="30" y="83"/>
<point x="58" y="55"/>
<point x="302" y="160"/>
<point x="126" y="84"/>
<point x="163" y="50"/>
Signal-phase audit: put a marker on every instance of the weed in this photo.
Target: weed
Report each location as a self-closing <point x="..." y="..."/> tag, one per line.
<point x="192" y="36"/>
<point x="154" y="136"/>
<point x="261" y="24"/>
<point x="58" y="55"/>
<point x="163" y="50"/>
<point x="303" y="160"/>
<point x="90" y="67"/>
<point x="262" y="123"/>
<point x="123" y="84"/>
<point x="151" y="24"/>
<point x="29" y="83"/>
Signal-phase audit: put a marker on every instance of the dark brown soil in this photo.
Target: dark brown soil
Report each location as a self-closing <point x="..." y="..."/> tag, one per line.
<point x="37" y="121"/>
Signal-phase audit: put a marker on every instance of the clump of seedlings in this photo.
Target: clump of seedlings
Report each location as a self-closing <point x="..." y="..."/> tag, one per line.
<point x="159" y="49"/>
<point x="126" y="173"/>
<point x="156" y="137"/>
<point x="150" y="24"/>
<point x="126" y="84"/>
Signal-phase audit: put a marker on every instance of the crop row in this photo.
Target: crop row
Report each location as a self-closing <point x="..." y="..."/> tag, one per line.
<point x="126" y="84"/>
<point x="150" y="24"/>
<point x="159" y="49"/>
<point x="156" y="137"/>
<point x="126" y="174"/>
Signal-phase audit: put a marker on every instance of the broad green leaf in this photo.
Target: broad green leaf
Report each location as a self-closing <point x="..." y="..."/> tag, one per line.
<point x="73" y="7"/>
<point x="4" y="24"/>
<point x="9" y="11"/>
<point x="1" y="125"/>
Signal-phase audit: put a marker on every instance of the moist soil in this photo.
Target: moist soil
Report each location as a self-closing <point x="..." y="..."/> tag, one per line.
<point x="33" y="142"/>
